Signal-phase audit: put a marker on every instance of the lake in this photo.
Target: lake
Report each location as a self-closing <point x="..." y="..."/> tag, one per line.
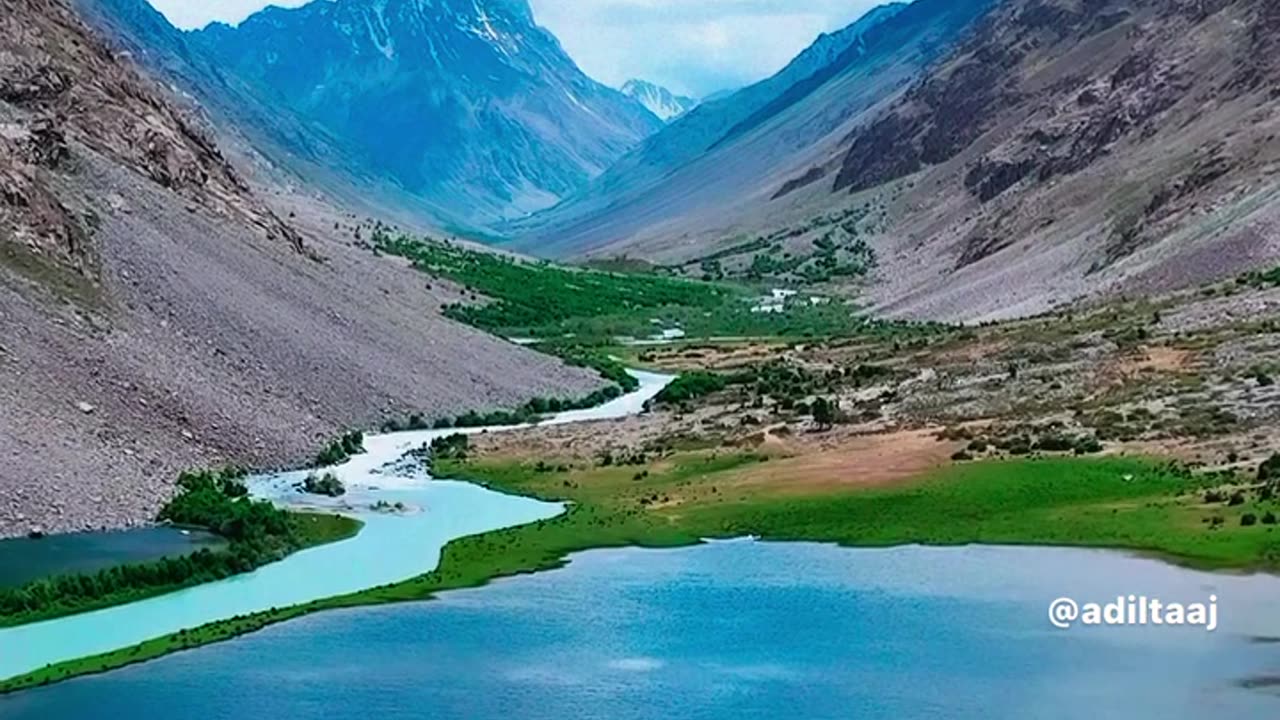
<point x="26" y="559"/>
<point x="730" y="631"/>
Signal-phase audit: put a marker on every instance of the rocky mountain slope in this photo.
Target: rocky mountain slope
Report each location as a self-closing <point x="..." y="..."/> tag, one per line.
<point x="1044" y="151"/>
<point x="663" y="103"/>
<point x="686" y="183"/>
<point x="1072" y="147"/>
<point x="467" y="104"/>
<point x="157" y="314"/>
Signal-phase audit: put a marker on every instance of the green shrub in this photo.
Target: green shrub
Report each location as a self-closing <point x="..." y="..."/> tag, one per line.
<point x="341" y="450"/>
<point x="451" y="447"/>
<point x="1270" y="468"/>
<point x="1087" y="445"/>
<point x="692" y="385"/>
<point x="825" y="412"/>
<point x="327" y="484"/>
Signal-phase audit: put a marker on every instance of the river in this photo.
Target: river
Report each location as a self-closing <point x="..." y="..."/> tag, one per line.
<point x="390" y="548"/>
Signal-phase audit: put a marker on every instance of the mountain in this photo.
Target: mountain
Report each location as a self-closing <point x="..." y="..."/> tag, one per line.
<point x="159" y="312"/>
<point x="663" y="103"/>
<point x="994" y="159"/>
<point x="467" y="104"/>
<point x="714" y="162"/>
<point x="271" y="144"/>
<point x="1069" y="149"/>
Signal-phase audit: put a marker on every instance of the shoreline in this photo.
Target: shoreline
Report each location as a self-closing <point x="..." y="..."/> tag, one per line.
<point x="548" y="544"/>
<point x="447" y="578"/>
<point x="610" y="508"/>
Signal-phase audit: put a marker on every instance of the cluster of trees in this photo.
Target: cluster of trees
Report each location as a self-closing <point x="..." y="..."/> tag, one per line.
<point x="789" y="385"/>
<point x="451" y="447"/>
<point x="1051" y="438"/>
<point x="52" y="597"/>
<point x="219" y="501"/>
<point x="327" y="484"/>
<point x="341" y="450"/>
<point x="692" y="385"/>
<point x="258" y="532"/>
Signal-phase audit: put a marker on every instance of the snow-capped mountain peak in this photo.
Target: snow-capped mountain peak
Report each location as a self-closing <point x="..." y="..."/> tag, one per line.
<point x="658" y="100"/>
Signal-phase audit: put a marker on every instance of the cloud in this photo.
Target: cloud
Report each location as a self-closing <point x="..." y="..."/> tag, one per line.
<point x="691" y="47"/>
<point x="694" y="47"/>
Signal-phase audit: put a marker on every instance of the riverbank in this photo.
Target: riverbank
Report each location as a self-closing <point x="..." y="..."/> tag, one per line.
<point x="436" y="513"/>
<point x="1117" y="503"/>
<point x="308" y="530"/>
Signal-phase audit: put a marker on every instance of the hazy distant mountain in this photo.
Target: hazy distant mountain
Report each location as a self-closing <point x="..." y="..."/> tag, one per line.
<point x="465" y="104"/>
<point x="658" y="100"/>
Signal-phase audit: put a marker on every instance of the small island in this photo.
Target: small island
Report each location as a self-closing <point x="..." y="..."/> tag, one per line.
<point x="327" y="484"/>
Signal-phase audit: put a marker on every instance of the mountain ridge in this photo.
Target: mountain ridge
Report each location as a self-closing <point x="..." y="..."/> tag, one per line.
<point x="515" y="125"/>
<point x="660" y="101"/>
<point x="159" y="312"/>
<point x="672" y="174"/>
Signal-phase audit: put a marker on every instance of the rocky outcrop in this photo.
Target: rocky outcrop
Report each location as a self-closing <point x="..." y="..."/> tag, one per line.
<point x="59" y="83"/>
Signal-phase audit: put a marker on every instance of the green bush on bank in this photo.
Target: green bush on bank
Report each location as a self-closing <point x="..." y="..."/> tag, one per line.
<point x="341" y="449"/>
<point x="692" y="385"/>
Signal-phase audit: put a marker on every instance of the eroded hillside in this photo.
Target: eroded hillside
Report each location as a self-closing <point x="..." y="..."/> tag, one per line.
<point x="1049" y="151"/>
<point x="1074" y="147"/>
<point x="156" y="314"/>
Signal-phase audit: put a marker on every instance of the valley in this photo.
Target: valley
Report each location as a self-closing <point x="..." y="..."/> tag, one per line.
<point x="1134" y="425"/>
<point x="376" y="303"/>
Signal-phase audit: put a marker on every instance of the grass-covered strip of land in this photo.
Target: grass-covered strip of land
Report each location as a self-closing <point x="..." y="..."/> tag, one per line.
<point x="580" y="308"/>
<point x="540" y="299"/>
<point x="257" y="533"/>
<point x="1202" y="520"/>
<point x="1199" y="520"/>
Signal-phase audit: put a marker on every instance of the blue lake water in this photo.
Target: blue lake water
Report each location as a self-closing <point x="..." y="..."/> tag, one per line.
<point x="25" y="559"/>
<point x="731" y="631"/>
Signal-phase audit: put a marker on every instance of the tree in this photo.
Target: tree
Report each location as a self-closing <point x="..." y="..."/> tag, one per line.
<point x="1270" y="468"/>
<point x="824" y="413"/>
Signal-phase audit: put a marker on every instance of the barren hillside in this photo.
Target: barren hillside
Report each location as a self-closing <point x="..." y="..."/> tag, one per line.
<point x="1080" y="146"/>
<point x="155" y="314"/>
<point x="1054" y="150"/>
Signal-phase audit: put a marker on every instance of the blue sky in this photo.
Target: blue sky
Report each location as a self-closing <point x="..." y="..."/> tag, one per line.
<point x="691" y="46"/>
